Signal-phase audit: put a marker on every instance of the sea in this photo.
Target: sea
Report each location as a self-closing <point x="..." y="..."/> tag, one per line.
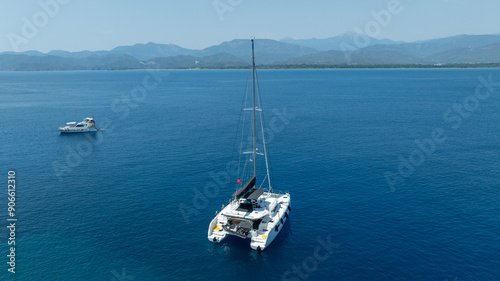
<point x="393" y="174"/>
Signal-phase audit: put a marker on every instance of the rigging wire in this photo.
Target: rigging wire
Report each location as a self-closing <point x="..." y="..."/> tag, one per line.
<point x="237" y="129"/>
<point x="244" y="171"/>
<point x="263" y="125"/>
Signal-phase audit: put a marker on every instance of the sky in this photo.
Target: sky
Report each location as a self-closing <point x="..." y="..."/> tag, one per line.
<point x="76" y="25"/>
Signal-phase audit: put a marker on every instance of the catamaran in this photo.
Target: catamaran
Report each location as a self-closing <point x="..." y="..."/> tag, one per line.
<point x="253" y="212"/>
<point x="86" y="126"/>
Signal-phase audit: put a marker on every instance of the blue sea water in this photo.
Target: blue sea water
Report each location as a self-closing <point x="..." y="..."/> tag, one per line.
<point x="393" y="174"/>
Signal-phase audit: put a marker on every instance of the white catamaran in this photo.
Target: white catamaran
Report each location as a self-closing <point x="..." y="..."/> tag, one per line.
<point x="253" y="212"/>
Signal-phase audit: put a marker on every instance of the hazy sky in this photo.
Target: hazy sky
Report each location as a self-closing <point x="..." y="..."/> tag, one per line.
<point x="76" y="25"/>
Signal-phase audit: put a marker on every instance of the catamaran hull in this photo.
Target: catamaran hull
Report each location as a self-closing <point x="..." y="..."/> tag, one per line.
<point x="215" y="233"/>
<point x="259" y="243"/>
<point x="260" y="240"/>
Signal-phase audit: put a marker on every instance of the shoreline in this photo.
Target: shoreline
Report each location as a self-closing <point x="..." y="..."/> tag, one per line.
<point x="289" y="67"/>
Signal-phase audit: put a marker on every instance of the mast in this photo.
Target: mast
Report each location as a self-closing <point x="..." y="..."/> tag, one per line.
<point x="253" y="115"/>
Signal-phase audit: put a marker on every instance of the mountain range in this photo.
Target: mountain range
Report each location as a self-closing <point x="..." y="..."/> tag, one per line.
<point x="343" y="50"/>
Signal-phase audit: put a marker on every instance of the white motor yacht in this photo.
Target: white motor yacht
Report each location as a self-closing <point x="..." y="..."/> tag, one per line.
<point x="86" y="126"/>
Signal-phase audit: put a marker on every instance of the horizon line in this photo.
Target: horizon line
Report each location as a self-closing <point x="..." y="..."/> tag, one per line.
<point x="280" y="40"/>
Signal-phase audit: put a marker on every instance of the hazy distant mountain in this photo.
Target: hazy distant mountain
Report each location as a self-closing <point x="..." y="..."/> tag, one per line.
<point x="220" y="60"/>
<point x="270" y="51"/>
<point x="138" y="51"/>
<point x="152" y="50"/>
<point x="382" y="54"/>
<point x="336" y="43"/>
<point x="431" y="47"/>
<point x="482" y="54"/>
<point x="9" y="62"/>
<point x="27" y="53"/>
<point x="462" y="49"/>
<point x="81" y="54"/>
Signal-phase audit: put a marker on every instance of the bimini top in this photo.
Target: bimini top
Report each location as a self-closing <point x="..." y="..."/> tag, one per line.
<point x="255" y="194"/>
